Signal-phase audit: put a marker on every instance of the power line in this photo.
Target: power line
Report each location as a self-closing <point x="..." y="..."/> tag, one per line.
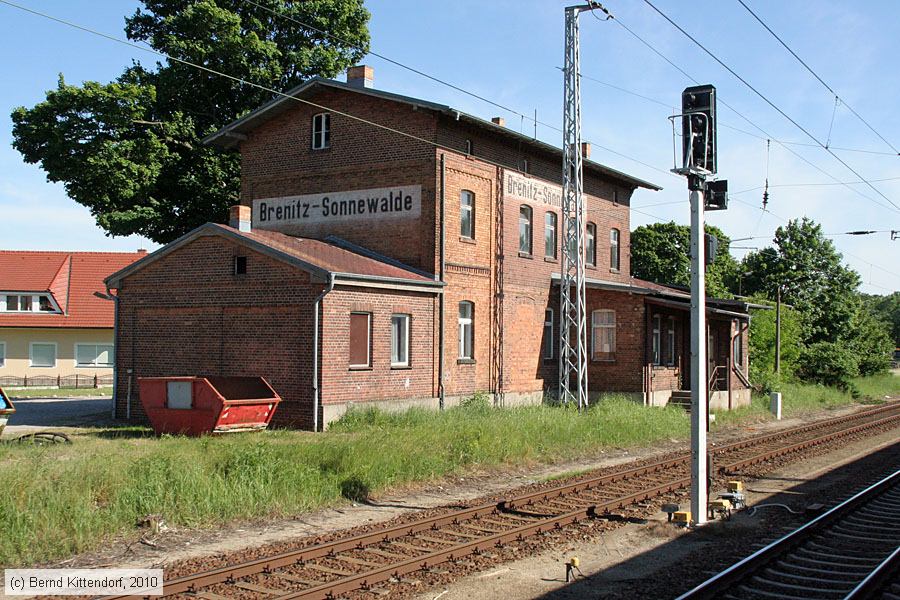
<point x="767" y="101"/>
<point x="739" y="114"/>
<point x="775" y="185"/>
<point x="816" y="75"/>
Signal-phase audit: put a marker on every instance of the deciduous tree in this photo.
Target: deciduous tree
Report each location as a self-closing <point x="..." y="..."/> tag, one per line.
<point x="130" y="150"/>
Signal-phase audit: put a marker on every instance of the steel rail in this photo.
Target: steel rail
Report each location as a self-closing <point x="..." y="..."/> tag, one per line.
<point x="195" y="582"/>
<point x="718" y="584"/>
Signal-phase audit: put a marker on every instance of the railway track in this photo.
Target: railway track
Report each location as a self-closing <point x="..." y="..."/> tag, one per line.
<point x="849" y="552"/>
<point x="366" y="562"/>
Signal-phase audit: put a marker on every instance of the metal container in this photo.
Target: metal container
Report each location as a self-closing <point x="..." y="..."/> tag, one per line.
<point x="201" y="405"/>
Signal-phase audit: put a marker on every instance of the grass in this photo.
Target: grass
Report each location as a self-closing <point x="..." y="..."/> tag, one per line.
<point x="60" y="500"/>
<point x="58" y="393"/>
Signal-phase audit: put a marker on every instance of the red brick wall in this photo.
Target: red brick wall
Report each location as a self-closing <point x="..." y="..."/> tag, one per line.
<point x="625" y="372"/>
<point x="381" y="381"/>
<point x="278" y="160"/>
<point x="188" y="314"/>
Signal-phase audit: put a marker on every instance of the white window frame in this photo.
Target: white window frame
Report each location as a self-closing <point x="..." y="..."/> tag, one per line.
<point x="2" y="354"/>
<point x="548" y="334"/>
<point x="614" y="246"/>
<point x="590" y="244"/>
<point x="737" y="349"/>
<point x="466" y="323"/>
<point x="597" y="327"/>
<point x="526" y="218"/>
<point x="551" y="223"/>
<point x="95" y="365"/>
<point x="463" y="208"/>
<point x="31" y="346"/>
<point x="35" y="303"/>
<point x="406" y="318"/>
<point x="321" y="131"/>
<point x="368" y="363"/>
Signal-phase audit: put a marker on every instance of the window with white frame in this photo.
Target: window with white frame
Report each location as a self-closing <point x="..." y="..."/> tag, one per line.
<point x="26" y="303"/>
<point x="656" y="341"/>
<point x="591" y="244"/>
<point x="467" y="214"/>
<point x="603" y="334"/>
<point x="614" y="249"/>
<point x="525" y="229"/>
<point x="550" y="244"/>
<point x="670" y="341"/>
<point x="360" y="340"/>
<point x="399" y="340"/>
<point x="2" y="354"/>
<point x="93" y="355"/>
<point x="549" y="342"/>
<point x="466" y="330"/>
<point x="321" y="131"/>
<point x="42" y="354"/>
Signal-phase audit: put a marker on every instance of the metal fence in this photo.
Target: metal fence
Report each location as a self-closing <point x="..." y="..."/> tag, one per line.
<point x="60" y="381"/>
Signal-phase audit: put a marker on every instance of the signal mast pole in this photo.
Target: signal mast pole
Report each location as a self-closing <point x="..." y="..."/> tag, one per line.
<point x="699" y="154"/>
<point x="573" y="352"/>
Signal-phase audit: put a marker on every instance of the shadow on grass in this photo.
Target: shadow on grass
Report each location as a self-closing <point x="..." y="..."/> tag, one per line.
<point x="118" y="433"/>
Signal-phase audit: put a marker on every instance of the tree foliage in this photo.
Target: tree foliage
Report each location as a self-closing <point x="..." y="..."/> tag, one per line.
<point x="661" y="253"/>
<point x="130" y="150"/>
<point x="762" y="341"/>
<point x="813" y="280"/>
<point x="828" y="363"/>
<point x="887" y="308"/>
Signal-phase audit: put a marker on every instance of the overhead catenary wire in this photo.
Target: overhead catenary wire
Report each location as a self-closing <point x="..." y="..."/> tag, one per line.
<point x="766" y="134"/>
<point x="768" y="101"/>
<point x="816" y="75"/>
<point x="282" y="94"/>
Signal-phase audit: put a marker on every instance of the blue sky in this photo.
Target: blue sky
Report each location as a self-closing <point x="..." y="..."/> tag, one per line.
<point x="510" y="52"/>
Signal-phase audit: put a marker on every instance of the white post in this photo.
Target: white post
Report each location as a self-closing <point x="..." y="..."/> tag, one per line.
<point x="699" y="384"/>
<point x="775" y="404"/>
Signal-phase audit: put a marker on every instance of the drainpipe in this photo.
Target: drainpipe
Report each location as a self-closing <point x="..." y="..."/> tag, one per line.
<point x="441" y="296"/>
<point x="316" y="307"/>
<point x="115" y="300"/>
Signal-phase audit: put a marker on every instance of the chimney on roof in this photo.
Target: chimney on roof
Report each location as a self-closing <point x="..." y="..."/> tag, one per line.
<point x="142" y="251"/>
<point x="585" y="150"/>
<point x="239" y="217"/>
<point x="499" y="121"/>
<point x="361" y="76"/>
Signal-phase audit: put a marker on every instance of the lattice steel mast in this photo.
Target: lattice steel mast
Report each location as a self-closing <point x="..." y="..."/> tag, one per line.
<point x="572" y="352"/>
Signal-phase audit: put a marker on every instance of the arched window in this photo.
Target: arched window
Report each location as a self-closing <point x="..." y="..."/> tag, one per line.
<point x="550" y="243"/>
<point x="321" y="131"/>
<point x="467" y="214"/>
<point x="614" y="249"/>
<point x="525" y="229"/>
<point x="466" y="330"/>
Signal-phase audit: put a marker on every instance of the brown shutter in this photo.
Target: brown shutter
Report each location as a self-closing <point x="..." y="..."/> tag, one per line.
<point x="359" y="339"/>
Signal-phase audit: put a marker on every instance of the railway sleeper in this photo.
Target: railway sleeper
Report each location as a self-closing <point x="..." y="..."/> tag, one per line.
<point x="821" y="572"/>
<point x="849" y="584"/>
<point x="793" y="587"/>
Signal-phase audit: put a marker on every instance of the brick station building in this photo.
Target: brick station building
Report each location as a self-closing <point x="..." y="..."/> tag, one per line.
<point x="353" y="240"/>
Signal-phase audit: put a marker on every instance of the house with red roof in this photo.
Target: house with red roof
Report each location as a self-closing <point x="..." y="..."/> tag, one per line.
<point x="56" y="320"/>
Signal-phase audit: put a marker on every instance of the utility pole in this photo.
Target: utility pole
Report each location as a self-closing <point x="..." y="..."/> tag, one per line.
<point x="778" y="330"/>
<point x="573" y="384"/>
<point x="698" y="120"/>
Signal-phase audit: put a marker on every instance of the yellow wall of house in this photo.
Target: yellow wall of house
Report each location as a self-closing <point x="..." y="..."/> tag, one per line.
<point x="15" y="351"/>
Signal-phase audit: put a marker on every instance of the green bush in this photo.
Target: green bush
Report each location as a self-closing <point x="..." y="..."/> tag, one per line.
<point x="828" y="363"/>
<point x="478" y="402"/>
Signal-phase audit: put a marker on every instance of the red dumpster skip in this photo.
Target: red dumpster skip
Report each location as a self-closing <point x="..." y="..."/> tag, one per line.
<point x="198" y="405"/>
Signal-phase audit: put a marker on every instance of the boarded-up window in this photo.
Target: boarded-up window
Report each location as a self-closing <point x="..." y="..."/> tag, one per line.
<point x="360" y="342"/>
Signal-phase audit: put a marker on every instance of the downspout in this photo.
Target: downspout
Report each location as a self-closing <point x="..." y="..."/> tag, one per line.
<point x="441" y="296"/>
<point x="316" y="307"/>
<point x="115" y="300"/>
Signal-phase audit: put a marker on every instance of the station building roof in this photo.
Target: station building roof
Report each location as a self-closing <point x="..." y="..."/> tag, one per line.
<point x="333" y="258"/>
<point x="230" y="136"/>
